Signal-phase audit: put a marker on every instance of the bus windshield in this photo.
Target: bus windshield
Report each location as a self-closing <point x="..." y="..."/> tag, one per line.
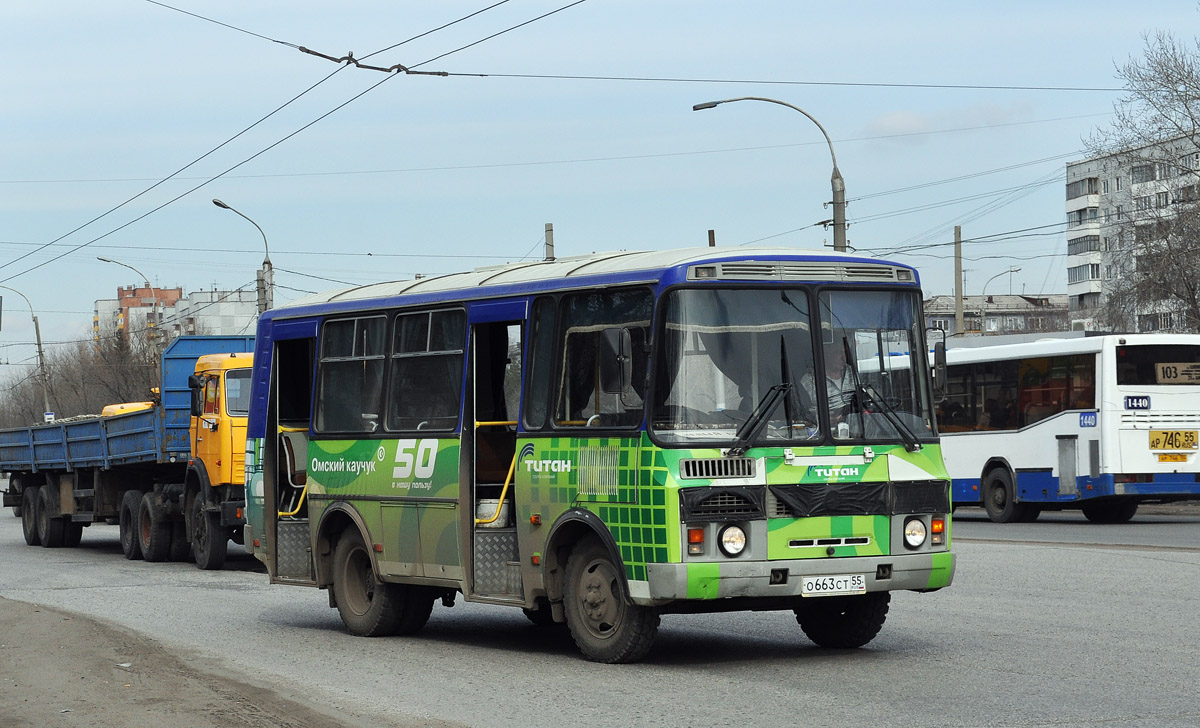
<point x="725" y="354"/>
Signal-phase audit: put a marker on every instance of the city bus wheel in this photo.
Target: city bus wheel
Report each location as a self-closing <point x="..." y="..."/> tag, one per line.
<point x="1000" y="498"/>
<point x="416" y="604"/>
<point x="368" y="607"/>
<point x="843" y="622"/>
<point x="605" y="625"/>
<point x="131" y="546"/>
<point x="154" y="530"/>
<point x="541" y="614"/>
<point x="50" y="528"/>
<point x="210" y="543"/>
<point x="29" y="515"/>
<point x="1119" y="511"/>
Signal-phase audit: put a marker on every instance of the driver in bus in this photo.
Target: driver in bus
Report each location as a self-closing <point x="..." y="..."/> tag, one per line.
<point x="839" y="380"/>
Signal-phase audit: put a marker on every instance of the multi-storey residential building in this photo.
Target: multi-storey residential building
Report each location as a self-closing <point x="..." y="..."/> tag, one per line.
<point x="998" y="314"/>
<point x="1119" y="208"/>
<point x="158" y="315"/>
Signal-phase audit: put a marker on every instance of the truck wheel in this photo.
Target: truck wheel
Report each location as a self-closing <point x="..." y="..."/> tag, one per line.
<point x="154" y="530"/>
<point x="72" y="532"/>
<point x="131" y="545"/>
<point x="368" y="607"/>
<point x="181" y="547"/>
<point x="17" y="511"/>
<point x="50" y="528"/>
<point x="209" y="540"/>
<point x="843" y="622"/>
<point x="604" y="624"/>
<point x="29" y="515"/>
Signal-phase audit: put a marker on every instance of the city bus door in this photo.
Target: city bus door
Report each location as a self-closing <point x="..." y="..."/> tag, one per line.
<point x="490" y="423"/>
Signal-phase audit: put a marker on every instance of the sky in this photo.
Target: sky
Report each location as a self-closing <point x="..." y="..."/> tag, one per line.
<point x="121" y="120"/>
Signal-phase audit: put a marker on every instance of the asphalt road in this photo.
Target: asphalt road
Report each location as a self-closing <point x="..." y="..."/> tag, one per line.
<point x="1055" y="623"/>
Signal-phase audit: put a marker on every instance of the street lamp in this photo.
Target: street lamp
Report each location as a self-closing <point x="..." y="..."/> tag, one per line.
<point x="983" y="299"/>
<point x="265" y="277"/>
<point x="839" y="185"/>
<point x="151" y="329"/>
<point x="37" y="333"/>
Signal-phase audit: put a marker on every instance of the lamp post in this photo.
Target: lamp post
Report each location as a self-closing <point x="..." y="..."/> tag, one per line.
<point x="839" y="185"/>
<point x="152" y="331"/>
<point x="37" y="333"/>
<point x="265" y="277"/>
<point x="983" y="299"/>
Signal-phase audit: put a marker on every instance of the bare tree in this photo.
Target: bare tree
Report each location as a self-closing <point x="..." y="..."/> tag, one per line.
<point x="1153" y="257"/>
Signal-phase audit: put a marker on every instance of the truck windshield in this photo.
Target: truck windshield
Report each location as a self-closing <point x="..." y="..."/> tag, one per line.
<point x="722" y="351"/>
<point x="237" y="392"/>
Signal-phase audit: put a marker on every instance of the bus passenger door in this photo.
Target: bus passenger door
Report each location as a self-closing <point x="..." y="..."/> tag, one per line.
<point x="490" y="424"/>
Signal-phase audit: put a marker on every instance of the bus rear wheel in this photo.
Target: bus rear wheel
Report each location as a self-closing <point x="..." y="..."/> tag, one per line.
<point x="368" y="607"/>
<point x="1000" y="498"/>
<point x="605" y="625"/>
<point x="843" y="622"/>
<point x="1113" y="511"/>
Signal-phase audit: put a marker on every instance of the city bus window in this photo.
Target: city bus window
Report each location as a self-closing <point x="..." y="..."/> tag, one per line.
<point x="427" y="366"/>
<point x="590" y="324"/>
<point x="539" y="389"/>
<point x="351" y="375"/>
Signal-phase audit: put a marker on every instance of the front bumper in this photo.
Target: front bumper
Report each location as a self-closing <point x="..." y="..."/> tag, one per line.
<point x="782" y="579"/>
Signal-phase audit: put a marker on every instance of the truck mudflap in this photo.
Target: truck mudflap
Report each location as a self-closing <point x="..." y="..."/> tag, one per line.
<point x="732" y="579"/>
<point x="12" y="499"/>
<point x="233" y="513"/>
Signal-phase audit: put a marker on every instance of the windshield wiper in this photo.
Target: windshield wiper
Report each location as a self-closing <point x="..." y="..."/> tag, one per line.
<point x="868" y="395"/>
<point x="759" y="416"/>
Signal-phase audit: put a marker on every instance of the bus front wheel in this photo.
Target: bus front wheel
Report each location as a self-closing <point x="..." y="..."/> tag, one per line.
<point x="605" y="625"/>
<point x="368" y="607"/>
<point x="843" y="622"/>
<point x="1000" y="498"/>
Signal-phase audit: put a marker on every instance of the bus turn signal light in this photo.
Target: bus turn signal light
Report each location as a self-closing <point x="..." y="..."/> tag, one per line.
<point x="695" y="537"/>
<point x="937" y="528"/>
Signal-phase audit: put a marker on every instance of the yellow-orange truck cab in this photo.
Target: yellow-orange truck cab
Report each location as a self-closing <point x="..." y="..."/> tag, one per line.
<point x="215" y="487"/>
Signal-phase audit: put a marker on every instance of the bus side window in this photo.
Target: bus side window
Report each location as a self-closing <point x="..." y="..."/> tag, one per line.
<point x="351" y="375"/>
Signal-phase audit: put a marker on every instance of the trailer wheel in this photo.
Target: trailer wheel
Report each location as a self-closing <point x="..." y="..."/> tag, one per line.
<point x="72" y="532"/>
<point x="843" y="622"/>
<point x="209" y="540"/>
<point x="181" y="546"/>
<point x="29" y="515"/>
<point x="604" y="624"/>
<point x="130" y="543"/>
<point x="50" y="528"/>
<point x="154" y="530"/>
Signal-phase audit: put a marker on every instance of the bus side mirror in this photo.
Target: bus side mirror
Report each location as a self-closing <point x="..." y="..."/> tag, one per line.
<point x="939" y="369"/>
<point x="196" y="385"/>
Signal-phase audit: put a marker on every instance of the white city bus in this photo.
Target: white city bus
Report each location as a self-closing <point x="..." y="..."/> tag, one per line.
<point x="1100" y="423"/>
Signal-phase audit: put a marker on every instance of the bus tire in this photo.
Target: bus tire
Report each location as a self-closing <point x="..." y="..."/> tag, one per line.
<point x="29" y="515"/>
<point x="210" y="543"/>
<point x="1000" y="498"/>
<point x="128" y="524"/>
<point x="72" y="533"/>
<point x="181" y="546"/>
<point x="1031" y="513"/>
<point x="541" y="614"/>
<point x="605" y="625"/>
<point x="416" y="606"/>
<point x="50" y="528"/>
<point x="1114" y="511"/>
<point x="844" y="622"/>
<point x="154" y="530"/>
<point x="368" y="607"/>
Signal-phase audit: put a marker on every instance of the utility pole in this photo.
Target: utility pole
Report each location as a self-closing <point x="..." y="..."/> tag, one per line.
<point x="958" y="281"/>
<point x="549" y="241"/>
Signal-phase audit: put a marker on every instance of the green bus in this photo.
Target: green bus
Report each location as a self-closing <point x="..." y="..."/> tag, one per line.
<point x="599" y="440"/>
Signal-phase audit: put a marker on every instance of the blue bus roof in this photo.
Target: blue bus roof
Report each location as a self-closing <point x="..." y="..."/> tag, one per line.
<point x="664" y="266"/>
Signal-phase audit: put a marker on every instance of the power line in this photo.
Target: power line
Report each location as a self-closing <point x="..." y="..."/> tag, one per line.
<point x="217" y="22"/>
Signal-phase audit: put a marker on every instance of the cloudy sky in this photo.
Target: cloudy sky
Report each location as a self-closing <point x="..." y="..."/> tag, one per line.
<point x="121" y="120"/>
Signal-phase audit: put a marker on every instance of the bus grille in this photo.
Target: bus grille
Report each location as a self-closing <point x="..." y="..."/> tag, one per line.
<point x="715" y="468"/>
<point x="815" y="271"/>
<point x="721" y="503"/>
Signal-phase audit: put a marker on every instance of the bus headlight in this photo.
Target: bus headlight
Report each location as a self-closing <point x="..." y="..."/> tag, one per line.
<point x="914" y="533"/>
<point x="732" y="540"/>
